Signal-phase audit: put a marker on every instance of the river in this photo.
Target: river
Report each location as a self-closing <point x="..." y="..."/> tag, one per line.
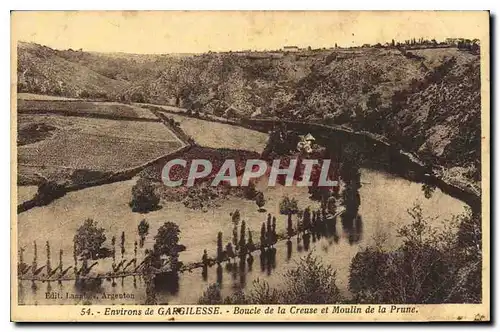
<point x="384" y="201"/>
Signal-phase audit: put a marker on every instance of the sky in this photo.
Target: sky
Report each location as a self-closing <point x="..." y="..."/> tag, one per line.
<point x="197" y="32"/>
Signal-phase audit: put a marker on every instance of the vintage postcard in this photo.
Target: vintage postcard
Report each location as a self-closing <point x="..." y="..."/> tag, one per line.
<point x="250" y="166"/>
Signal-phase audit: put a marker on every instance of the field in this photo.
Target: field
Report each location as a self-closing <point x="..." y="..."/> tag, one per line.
<point x="218" y="135"/>
<point x="70" y="143"/>
<point x="25" y="193"/>
<point x="83" y="108"/>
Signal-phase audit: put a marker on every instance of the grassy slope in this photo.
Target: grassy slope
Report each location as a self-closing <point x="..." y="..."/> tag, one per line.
<point x="41" y="70"/>
<point x="355" y="87"/>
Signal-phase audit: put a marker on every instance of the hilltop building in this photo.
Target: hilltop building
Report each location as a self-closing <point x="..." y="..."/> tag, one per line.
<point x="291" y="49"/>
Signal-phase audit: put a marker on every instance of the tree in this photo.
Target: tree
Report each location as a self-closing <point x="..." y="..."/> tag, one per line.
<point x="113" y="243"/>
<point x="288" y="206"/>
<point x="269" y="240"/>
<point x="143" y="230"/>
<point x="235" y="217"/>
<point x="122" y="244"/>
<point x="289" y="228"/>
<point x="220" y="250"/>
<point x="313" y="221"/>
<point x="204" y="257"/>
<point x="263" y="237"/>
<point x="235" y="237"/>
<point x="167" y="242"/>
<point x="306" y="219"/>
<point x="274" y="236"/>
<point x="250" y="244"/>
<point x="330" y="205"/>
<point x="60" y="261"/>
<point x="144" y="197"/>
<point x="230" y="251"/>
<point x="260" y="200"/>
<point x="75" y="259"/>
<point x="89" y="239"/>
<point x="243" y="242"/>
<point x="48" y="265"/>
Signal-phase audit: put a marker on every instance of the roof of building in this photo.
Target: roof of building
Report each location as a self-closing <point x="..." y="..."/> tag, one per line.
<point x="309" y="137"/>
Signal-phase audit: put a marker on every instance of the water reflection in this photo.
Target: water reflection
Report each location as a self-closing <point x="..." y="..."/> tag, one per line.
<point x="242" y="272"/>
<point x="219" y="274"/>
<point x="167" y="283"/>
<point x="288" y="250"/>
<point x="204" y="272"/>
<point x="250" y="262"/>
<point x="91" y="286"/>
<point x="307" y="241"/>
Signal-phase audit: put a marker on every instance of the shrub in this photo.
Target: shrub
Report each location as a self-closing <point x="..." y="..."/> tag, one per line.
<point x="311" y="282"/>
<point x="211" y="296"/>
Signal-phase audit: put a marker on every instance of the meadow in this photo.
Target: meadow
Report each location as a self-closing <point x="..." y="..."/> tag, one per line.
<point x="219" y="135"/>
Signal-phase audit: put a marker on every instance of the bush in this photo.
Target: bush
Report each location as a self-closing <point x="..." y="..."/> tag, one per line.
<point x="144" y="197"/>
<point x="310" y="282"/>
<point x="211" y="296"/>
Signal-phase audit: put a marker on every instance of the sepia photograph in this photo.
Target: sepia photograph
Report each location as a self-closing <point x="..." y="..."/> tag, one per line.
<point x="250" y="166"/>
